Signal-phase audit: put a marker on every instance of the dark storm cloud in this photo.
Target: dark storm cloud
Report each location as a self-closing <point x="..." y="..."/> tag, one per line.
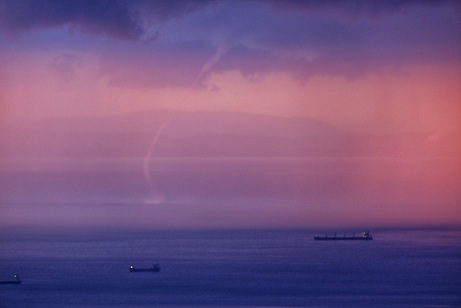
<point x="308" y="45"/>
<point x="118" y="19"/>
<point x="305" y="38"/>
<point x="243" y="37"/>
<point x="358" y="8"/>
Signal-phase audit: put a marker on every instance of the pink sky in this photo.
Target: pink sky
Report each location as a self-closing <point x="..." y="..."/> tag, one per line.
<point x="376" y="68"/>
<point x="384" y="68"/>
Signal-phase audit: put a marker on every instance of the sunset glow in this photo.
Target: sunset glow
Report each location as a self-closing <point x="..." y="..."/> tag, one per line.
<point x="366" y="95"/>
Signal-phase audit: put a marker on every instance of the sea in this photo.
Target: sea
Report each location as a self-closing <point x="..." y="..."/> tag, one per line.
<point x="230" y="268"/>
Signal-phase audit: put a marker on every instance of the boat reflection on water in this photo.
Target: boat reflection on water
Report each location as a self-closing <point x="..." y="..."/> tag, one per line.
<point x="17" y="281"/>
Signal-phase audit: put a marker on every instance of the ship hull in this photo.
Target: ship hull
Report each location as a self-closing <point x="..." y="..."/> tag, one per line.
<point x="134" y="270"/>
<point x="317" y="238"/>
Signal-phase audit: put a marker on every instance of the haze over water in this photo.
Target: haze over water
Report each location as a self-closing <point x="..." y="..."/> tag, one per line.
<point x="208" y="193"/>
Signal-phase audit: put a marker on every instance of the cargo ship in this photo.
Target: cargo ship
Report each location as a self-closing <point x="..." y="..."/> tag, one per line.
<point x="364" y="236"/>
<point x="153" y="268"/>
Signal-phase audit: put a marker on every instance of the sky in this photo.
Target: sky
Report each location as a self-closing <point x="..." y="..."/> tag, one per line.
<point x="375" y="68"/>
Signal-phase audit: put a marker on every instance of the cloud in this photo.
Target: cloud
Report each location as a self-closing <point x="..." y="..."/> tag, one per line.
<point x="195" y="39"/>
<point x="259" y="41"/>
<point x="64" y="67"/>
<point x="161" y="65"/>
<point x="357" y="8"/>
<point x="118" y="19"/>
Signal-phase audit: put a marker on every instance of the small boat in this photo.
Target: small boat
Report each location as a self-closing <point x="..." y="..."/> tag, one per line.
<point x="153" y="268"/>
<point x="366" y="236"/>
<point x="17" y="281"/>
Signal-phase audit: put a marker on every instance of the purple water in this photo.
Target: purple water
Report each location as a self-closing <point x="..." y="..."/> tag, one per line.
<point x="230" y="268"/>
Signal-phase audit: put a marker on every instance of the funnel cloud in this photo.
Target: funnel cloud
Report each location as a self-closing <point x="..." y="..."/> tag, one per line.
<point x="155" y="195"/>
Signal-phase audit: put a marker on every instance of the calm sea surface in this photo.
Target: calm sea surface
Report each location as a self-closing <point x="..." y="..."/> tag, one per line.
<point x="231" y="268"/>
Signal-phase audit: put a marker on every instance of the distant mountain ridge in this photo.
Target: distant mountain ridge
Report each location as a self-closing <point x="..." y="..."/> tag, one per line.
<point x="203" y="134"/>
